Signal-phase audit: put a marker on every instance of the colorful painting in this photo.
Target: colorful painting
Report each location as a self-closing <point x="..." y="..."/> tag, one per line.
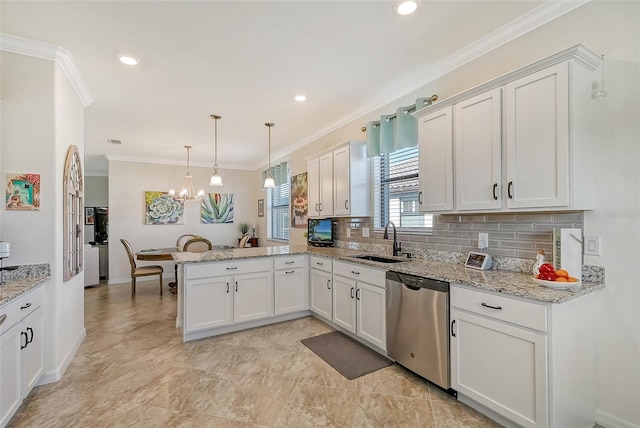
<point x="161" y="208"/>
<point x="23" y="192"/>
<point x="299" y="200"/>
<point x="216" y="208"/>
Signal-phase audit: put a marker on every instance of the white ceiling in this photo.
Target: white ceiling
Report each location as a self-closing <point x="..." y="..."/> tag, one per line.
<point x="245" y="60"/>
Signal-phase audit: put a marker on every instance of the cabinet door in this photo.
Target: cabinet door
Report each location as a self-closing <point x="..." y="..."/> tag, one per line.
<point x="341" y="181"/>
<point x="291" y="291"/>
<point x="326" y="185"/>
<point x="313" y="181"/>
<point x="478" y="149"/>
<point x="253" y="297"/>
<point x="537" y="139"/>
<point x="344" y="303"/>
<point x="371" y="312"/>
<point x="501" y="367"/>
<point x="321" y="293"/>
<point x="208" y="303"/>
<point x="435" y="145"/>
<point x="10" y="397"/>
<point x="32" y="352"/>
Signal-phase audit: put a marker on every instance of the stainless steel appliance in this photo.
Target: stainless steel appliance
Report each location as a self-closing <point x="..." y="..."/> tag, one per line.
<point x="418" y="326"/>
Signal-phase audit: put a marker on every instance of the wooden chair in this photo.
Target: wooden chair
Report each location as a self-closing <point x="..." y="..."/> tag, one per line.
<point x="142" y="270"/>
<point x="197" y="245"/>
<point x="183" y="240"/>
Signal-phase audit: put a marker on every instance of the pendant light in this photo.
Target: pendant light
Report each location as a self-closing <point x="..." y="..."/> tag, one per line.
<point x="600" y="89"/>
<point x="269" y="183"/>
<point x="216" y="180"/>
<point x="187" y="191"/>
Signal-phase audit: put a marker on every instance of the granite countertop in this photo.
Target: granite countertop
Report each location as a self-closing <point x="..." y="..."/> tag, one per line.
<point x="500" y="281"/>
<point x="21" y="280"/>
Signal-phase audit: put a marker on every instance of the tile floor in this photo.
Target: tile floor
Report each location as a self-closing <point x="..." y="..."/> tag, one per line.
<point x="133" y="370"/>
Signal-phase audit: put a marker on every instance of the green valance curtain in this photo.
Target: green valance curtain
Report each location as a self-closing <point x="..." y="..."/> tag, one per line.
<point x="278" y="172"/>
<point x="394" y="131"/>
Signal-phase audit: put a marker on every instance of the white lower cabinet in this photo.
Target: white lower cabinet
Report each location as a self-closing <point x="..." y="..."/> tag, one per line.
<point x="359" y="302"/>
<point x="291" y="285"/>
<point x="321" y="288"/>
<point x="221" y="294"/>
<point x="507" y="356"/>
<point x="21" y="350"/>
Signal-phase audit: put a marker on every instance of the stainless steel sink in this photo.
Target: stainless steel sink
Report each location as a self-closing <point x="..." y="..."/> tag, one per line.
<point x="379" y="259"/>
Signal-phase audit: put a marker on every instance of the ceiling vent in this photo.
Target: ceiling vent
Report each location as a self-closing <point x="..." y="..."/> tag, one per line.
<point x="110" y="141"/>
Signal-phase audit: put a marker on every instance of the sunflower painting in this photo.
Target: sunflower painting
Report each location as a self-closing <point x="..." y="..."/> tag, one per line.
<point x="217" y="208"/>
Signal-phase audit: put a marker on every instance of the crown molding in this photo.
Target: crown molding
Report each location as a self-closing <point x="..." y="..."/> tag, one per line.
<point x="520" y="26"/>
<point x="160" y="161"/>
<point x="62" y="57"/>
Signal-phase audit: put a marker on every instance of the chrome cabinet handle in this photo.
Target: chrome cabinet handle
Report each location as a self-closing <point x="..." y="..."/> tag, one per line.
<point x="497" y="308"/>
<point x="2" y="318"/>
<point x="28" y="305"/>
<point x="346" y="204"/>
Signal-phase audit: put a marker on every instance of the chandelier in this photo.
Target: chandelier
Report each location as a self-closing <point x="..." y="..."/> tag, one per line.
<point x="187" y="191"/>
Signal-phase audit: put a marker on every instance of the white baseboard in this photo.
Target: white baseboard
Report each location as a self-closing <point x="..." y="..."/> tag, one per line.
<point x="57" y="373"/>
<point x="608" y="420"/>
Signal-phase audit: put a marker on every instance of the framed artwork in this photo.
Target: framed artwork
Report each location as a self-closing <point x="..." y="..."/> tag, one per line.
<point x="162" y="208"/>
<point x="216" y="208"/>
<point x="260" y="207"/>
<point x="299" y="202"/>
<point x="23" y="192"/>
<point x="89" y="215"/>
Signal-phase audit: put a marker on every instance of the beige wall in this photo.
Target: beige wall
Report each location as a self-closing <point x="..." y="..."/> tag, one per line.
<point x="611" y="28"/>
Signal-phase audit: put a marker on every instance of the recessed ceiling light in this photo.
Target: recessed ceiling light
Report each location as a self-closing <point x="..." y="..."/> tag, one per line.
<point x="406" y="7"/>
<point x="128" y="59"/>
<point x="300" y="98"/>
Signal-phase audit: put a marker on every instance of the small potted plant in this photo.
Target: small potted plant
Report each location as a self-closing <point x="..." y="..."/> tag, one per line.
<point x="244" y="228"/>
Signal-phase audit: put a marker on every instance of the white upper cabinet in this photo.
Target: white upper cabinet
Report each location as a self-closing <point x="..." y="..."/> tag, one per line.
<point x="478" y="149"/>
<point x="521" y="142"/>
<point x="435" y="162"/>
<point x="340" y="182"/>
<point x="537" y="139"/>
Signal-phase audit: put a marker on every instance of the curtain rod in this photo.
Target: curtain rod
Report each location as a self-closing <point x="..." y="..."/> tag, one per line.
<point x="427" y="102"/>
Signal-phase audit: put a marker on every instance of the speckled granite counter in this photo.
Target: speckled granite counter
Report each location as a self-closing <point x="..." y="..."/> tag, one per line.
<point x="21" y="280"/>
<point x="500" y="281"/>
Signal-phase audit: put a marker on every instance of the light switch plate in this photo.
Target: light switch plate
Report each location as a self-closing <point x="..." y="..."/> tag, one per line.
<point x="483" y="240"/>
<point x="591" y="245"/>
<point x="365" y="232"/>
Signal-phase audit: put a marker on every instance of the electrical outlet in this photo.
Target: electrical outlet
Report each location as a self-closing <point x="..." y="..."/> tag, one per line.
<point x="592" y="245"/>
<point x="365" y="232"/>
<point x="483" y="240"/>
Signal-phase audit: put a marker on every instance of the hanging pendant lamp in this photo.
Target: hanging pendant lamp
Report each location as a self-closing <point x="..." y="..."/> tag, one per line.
<point x="216" y="180"/>
<point x="269" y="183"/>
<point x="187" y="191"/>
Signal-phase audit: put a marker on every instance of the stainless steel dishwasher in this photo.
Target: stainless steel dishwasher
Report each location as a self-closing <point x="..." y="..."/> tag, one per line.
<point x="418" y="326"/>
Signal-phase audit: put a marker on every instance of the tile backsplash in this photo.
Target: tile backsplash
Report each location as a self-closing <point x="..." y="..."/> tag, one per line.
<point x="514" y="239"/>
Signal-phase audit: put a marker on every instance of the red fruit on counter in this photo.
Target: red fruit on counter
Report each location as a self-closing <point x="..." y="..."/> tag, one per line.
<point x="547" y="276"/>
<point x="547" y="268"/>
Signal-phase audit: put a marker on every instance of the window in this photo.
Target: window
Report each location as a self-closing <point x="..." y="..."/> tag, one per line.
<point x="278" y="210"/>
<point x="396" y="188"/>
<point x="73" y="214"/>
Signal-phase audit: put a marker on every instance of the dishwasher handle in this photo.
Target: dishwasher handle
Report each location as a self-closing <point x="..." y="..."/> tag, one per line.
<point x="411" y="287"/>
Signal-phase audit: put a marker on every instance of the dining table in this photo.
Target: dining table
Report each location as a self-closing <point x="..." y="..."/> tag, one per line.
<point x="161" y="255"/>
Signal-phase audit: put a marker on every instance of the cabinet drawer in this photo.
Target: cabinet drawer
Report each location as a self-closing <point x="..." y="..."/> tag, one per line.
<point x="321" y="263"/>
<point x="526" y="314"/>
<point x="202" y="270"/>
<point x="18" y="309"/>
<point x="289" y="262"/>
<point x="359" y="273"/>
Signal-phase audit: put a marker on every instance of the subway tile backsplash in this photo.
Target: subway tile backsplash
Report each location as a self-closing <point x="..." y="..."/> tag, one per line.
<point x="514" y="239"/>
